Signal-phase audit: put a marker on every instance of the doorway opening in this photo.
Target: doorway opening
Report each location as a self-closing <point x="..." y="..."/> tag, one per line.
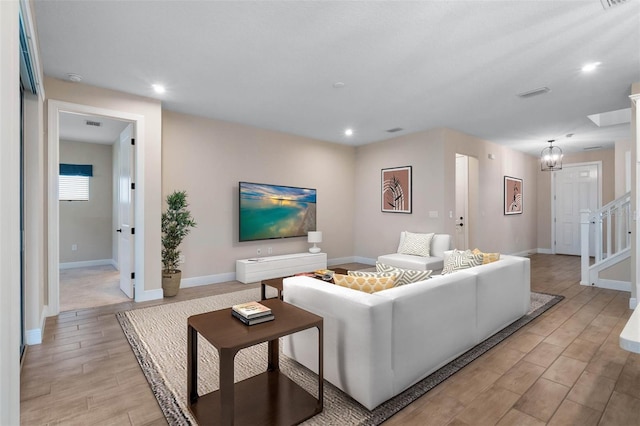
<point x="466" y="208"/>
<point x="58" y="113"/>
<point x="89" y="262"/>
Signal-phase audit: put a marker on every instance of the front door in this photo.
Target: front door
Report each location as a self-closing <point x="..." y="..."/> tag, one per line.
<point x="125" y="230"/>
<point x="575" y="188"/>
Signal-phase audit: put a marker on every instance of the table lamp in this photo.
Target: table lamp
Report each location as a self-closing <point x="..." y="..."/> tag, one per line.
<point x="314" y="237"/>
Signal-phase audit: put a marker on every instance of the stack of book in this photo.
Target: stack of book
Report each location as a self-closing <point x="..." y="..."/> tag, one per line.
<point x="252" y="313"/>
<point x="325" y="274"/>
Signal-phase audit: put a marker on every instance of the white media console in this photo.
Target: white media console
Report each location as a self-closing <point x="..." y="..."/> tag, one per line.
<point x="262" y="268"/>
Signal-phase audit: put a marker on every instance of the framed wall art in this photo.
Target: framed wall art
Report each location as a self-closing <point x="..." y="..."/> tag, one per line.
<point x="396" y="190"/>
<point x="512" y="195"/>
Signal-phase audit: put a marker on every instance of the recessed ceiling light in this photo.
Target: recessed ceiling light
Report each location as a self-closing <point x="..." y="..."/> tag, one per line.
<point x="338" y="85"/>
<point x="159" y="88"/>
<point x="591" y="66"/>
<point x="348" y="132"/>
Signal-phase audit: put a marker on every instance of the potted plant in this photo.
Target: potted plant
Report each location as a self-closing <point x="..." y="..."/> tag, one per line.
<point x="176" y="224"/>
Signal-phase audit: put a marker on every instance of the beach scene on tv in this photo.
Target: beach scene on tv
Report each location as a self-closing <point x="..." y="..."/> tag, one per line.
<point x="271" y="211"/>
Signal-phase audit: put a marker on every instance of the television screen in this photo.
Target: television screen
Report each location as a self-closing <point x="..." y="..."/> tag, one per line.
<point x="274" y="211"/>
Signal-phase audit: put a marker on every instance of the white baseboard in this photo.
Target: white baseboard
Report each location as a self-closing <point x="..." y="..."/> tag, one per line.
<point x="365" y="260"/>
<point x="87" y="263"/>
<point x="633" y="303"/>
<point x="207" y="279"/>
<point x="614" y="284"/>
<point x="144" y="296"/>
<point x="544" y="251"/>
<point x="34" y="336"/>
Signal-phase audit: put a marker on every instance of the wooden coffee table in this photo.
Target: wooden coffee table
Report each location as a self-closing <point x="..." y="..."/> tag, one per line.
<point x="268" y="398"/>
<point x="277" y="283"/>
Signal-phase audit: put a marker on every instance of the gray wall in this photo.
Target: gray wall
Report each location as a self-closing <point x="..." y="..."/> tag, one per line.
<point x="88" y="223"/>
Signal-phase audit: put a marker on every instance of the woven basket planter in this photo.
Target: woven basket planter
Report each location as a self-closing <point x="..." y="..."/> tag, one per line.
<point x="171" y="283"/>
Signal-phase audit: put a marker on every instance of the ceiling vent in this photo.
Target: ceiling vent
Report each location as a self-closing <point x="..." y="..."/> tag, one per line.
<point x="395" y="129"/>
<point x="610" y="3"/>
<point x="534" y="92"/>
<point x="93" y="123"/>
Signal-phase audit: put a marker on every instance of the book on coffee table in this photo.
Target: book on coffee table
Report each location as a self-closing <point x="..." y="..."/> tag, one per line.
<point x="251" y="310"/>
<point x="255" y="320"/>
<point x="325" y="274"/>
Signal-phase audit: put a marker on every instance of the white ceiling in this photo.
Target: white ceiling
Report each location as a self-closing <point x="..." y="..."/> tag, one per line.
<point x="414" y="65"/>
<point x="73" y="127"/>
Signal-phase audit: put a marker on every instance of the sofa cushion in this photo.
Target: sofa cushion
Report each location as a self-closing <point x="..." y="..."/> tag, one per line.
<point x="458" y="260"/>
<point x="415" y="244"/>
<point x="367" y="284"/>
<point x="409" y="261"/>
<point x="487" y="257"/>
<point x="404" y="276"/>
<point x="439" y="244"/>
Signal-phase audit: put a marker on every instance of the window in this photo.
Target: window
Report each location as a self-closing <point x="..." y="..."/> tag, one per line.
<point x="73" y="188"/>
<point x="73" y="182"/>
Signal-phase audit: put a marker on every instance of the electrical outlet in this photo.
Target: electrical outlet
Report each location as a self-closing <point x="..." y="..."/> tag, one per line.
<point x="270" y="250"/>
<point x="259" y="251"/>
<point x="181" y="259"/>
<point x="74" y="247"/>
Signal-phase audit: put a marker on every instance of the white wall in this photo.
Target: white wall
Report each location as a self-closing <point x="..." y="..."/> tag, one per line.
<point x="88" y="224"/>
<point x="9" y="214"/>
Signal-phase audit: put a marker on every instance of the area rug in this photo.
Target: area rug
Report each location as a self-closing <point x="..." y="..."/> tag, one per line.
<point x="158" y="337"/>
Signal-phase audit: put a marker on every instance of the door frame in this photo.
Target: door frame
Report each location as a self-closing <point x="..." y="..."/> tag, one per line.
<point x="553" y="195"/>
<point x="55" y="107"/>
<point x="465" y="226"/>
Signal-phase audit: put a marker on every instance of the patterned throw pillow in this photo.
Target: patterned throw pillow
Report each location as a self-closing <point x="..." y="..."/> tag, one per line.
<point x="405" y="276"/>
<point x="366" y="284"/>
<point x="416" y="244"/>
<point x="373" y="274"/>
<point x="487" y="257"/>
<point x="461" y="260"/>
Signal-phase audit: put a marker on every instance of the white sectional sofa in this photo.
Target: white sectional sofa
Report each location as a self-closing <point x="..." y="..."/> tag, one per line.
<point x="377" y="345"/>
<point x="439" y="244"/>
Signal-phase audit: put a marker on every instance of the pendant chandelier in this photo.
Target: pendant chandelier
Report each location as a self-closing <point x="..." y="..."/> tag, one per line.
<point x="551" y="158"/>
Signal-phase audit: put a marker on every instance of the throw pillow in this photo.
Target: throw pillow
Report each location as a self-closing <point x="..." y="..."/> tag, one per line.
<point x="372" y="274"/>
<point x="366" y="284"/>
<point x="416" y="244"/>
<point x="404" y="276"/>
<point x="487" y="257"/>
<point x="461" y="260"/>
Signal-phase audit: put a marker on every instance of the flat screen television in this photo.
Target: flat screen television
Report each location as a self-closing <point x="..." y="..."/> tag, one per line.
<point x="275" y="211"/>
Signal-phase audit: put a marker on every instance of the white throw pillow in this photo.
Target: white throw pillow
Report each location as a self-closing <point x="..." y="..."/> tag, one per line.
<point x="416" y="244"/>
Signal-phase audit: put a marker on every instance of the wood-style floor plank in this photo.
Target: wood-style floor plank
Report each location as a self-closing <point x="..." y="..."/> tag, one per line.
<point x="564" y="368"/>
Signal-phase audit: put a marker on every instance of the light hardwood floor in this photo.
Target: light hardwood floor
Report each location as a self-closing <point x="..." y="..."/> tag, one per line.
<point x="564" y="368"/>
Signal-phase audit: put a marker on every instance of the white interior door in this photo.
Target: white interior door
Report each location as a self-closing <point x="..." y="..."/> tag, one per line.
<point x="575" y="188"/>
<point x="461" y="237"/>
<point x="125" y="210"/>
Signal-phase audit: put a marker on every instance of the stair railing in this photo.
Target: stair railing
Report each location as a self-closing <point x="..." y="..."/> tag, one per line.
<point x="612" y="226"/>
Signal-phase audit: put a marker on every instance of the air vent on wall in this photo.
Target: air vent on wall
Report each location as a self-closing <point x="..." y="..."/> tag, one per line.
<point x="93" y="123"/>
<point x="395" y="129"/>
<point x="610" y="3"/>
<point x="534" y="92"/>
